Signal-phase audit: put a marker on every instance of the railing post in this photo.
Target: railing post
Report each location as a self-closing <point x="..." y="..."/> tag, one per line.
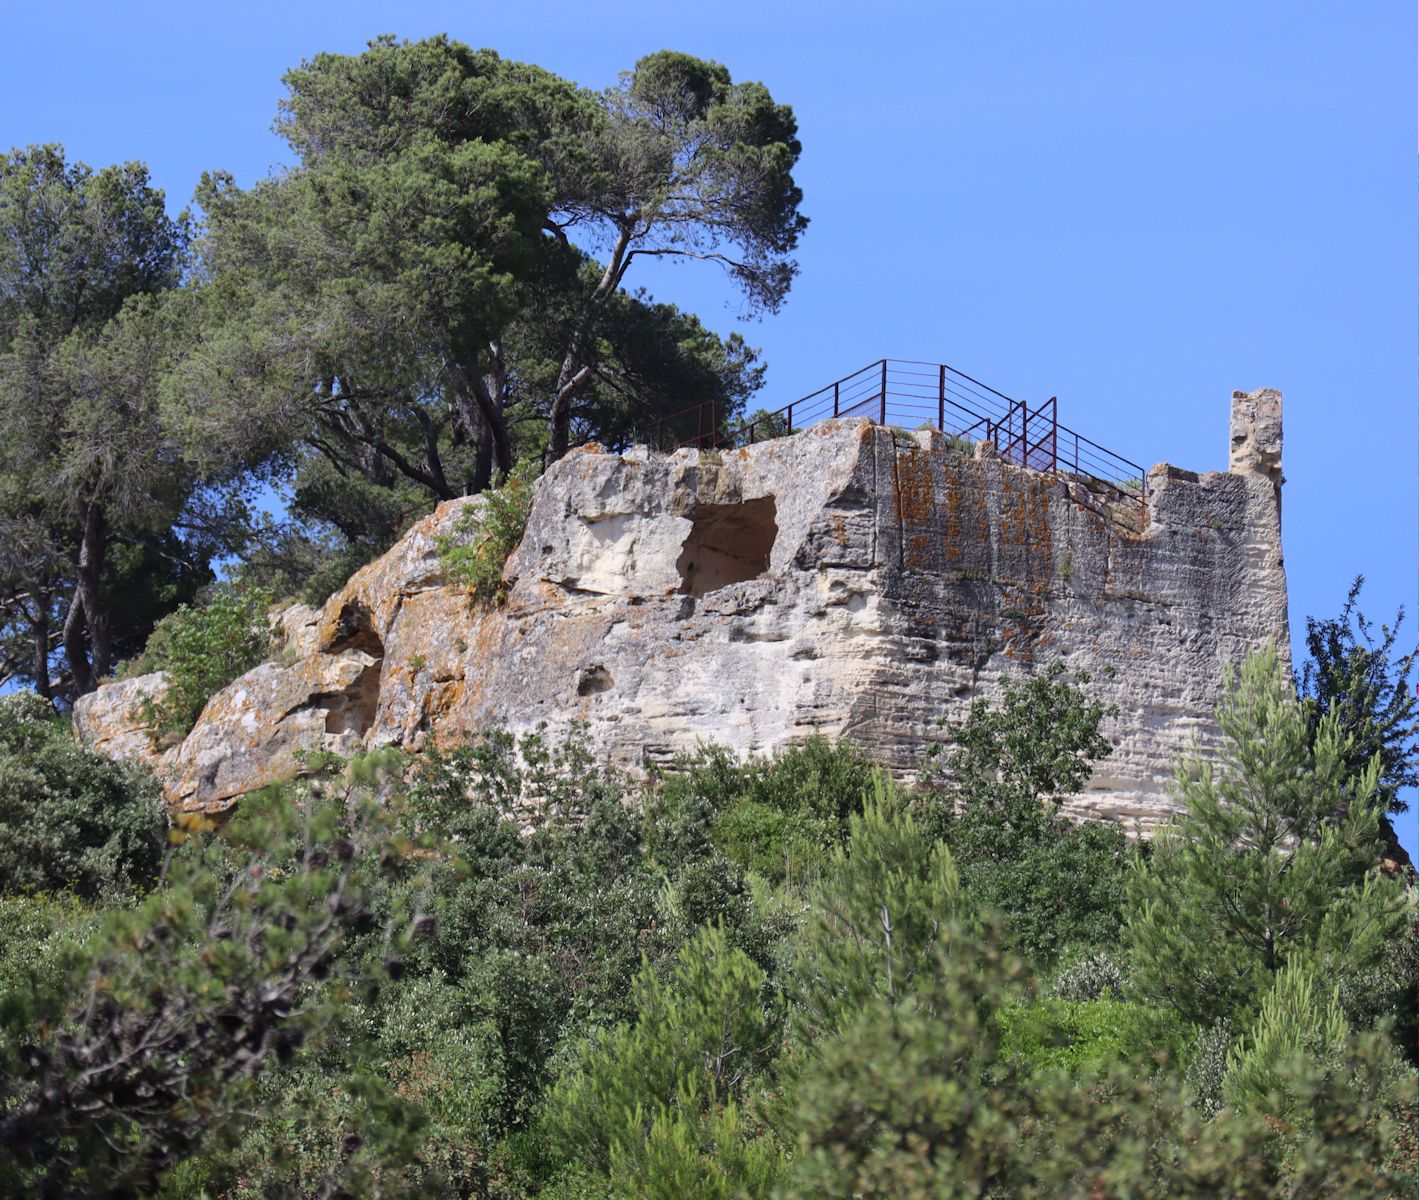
<point x="835" y="400"/>
<point x="883" y="421"/>
<point x="790" y="418"/>
<point x="941" y="400"/>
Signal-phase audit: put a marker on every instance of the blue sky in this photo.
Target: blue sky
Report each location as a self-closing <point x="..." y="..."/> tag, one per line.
<point x="1134" y="205"/>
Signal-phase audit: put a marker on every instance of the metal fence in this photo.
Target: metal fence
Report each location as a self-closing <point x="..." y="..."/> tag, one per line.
<point x="916" y="395"/>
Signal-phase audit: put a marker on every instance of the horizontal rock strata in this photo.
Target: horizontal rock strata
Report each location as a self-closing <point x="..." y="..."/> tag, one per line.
<point x="850" y="579"/>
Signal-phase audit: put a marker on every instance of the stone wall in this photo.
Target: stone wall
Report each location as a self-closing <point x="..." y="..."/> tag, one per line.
<point x="849" y="579"/>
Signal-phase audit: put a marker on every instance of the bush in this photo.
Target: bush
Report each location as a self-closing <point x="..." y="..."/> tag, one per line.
<point x="71" y="819"/>
<point x="202" y="650"/>
<point x="1272" y="862"/>
<point x="1057" y="883"/>
<point x="182" y="1001"/>
<point x="41" y="942"/>
<point x="778" y="817"/>
<point x="654" y="1100"/>
<point x="474" y="552"/>
<point x="1206" y="1073"/>
<point x="1095" y="975"/>
<point x="1357" y="677"/>
<point x="1053" y="1034"/>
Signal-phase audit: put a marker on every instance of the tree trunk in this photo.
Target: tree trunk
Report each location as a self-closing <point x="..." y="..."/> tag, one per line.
<point x="478" y="399"/>
<point x="574" y="368"/>
<point x="481" y="440"/>
<point x="86" y="640"/>
<point x="570" y="375"/>
<point x="39" y="633"/>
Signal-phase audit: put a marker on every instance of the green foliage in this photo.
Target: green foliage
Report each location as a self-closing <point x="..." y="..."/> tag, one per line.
<point x="1039" y="743"/>
<point x="226" y="970"/>
<point x="94" y="474"/>
<point x="1206" y="1072"/>
<point x="490" y="972"/>
<point x="1298" y="1016"/>
<point x="317" y="1132"/>
<point x="893" y="1005"/>
<point x="778" y="817"/>
<point x="876" y="920"/>
<point x="71" y="819"/>
<point x="1271" y="861"/>
<point x="406" y="308"/>
<point x="653" y="1103"/>
<point x="41" y="943"/>
<point x="768" y="425"/>
<point x="913" y="1098"/>
<point x="1071" y="1035"/>
<point x="203" y="649"/>
<point x="1093" y="975"/>
<point x="1057" y="883"/>
<point x="1355" y="677"/>
<point x="475" y="551"/>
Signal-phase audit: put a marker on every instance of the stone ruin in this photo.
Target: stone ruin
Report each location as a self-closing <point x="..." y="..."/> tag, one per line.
<point x="851" y="580"/>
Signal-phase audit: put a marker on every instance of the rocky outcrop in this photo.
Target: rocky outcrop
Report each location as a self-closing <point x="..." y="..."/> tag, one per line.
<point x="117" y="719"/>
<point x="849" y="579"/>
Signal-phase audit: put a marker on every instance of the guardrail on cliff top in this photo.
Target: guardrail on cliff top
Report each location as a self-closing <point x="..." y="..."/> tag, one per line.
<point x="902" y="392"/>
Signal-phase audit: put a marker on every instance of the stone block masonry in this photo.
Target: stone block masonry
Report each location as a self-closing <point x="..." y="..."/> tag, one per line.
<point x="851" y="580"/>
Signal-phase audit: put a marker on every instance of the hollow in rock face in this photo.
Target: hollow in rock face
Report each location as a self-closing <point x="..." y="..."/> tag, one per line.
<point x="727" y="543"/>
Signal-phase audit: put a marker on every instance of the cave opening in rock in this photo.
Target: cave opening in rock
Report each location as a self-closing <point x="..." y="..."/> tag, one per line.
<point x="727" y="543"/>
<point x="353" y="709"/>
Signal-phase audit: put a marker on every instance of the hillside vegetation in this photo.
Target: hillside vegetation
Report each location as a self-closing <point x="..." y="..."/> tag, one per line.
<point x="504" y="971"/>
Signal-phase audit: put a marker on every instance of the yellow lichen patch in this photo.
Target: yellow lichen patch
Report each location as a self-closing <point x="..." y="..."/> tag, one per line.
<point x="1027" y="550"/>
<point x="915" y="497"/>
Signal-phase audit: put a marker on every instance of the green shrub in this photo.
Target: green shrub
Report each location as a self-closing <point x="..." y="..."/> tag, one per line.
<point x="71" y="819"/>
<point x="1053" y="1034"/>
<point x="202" y="650"/>
<point x="474" y="552"/>
<point x="1056" y="882"/>
<point x="225" y="971"/>
<point x="768" y="424"/>
<point x="1206" y="1072"/>
<point x="1274" y="823"/>
<point x="41" y="942"/>
<point x="779" y="817"/>
<point x="653" y="1102"/>
<point x="1094" y="975"/>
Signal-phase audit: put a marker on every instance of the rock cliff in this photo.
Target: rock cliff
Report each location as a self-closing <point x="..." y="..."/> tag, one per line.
<point x="850" y="579"/>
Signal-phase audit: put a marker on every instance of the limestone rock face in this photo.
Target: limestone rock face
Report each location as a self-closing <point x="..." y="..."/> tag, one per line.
<point x="849" y="579"/>
<point x="1256" y="434"/>
<point x="114" y="719"/>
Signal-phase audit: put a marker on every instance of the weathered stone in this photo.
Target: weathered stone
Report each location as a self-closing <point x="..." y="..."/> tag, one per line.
<point x="297" y="629"/>
<point x="849" y="579"/>
<point x="1256" y="434"/>
<point x="251" y="732"/>
<point x="116" y="719"/>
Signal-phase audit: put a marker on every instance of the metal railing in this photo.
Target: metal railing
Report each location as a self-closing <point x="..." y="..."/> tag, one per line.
<point x="914" y="395"/>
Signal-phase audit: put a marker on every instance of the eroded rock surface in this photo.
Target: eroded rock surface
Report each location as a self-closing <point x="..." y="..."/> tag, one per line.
<point x="849" y="579"/>
<point x="117" y="720"/>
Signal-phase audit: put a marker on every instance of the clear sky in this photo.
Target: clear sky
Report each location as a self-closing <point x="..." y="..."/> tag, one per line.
<point x="1135" y="205"/>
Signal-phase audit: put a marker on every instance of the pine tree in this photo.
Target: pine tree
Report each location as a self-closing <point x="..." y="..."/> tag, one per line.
<point x="1272" y="859"/>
